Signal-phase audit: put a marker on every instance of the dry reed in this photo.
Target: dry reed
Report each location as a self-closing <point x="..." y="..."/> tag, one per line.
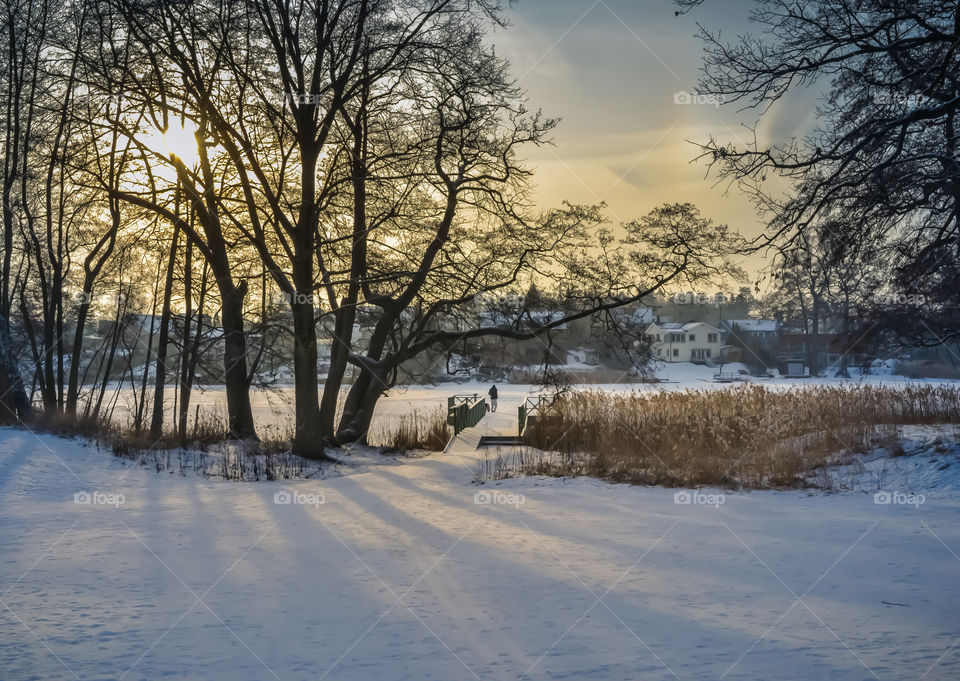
<point x="743" y="437"/>
<point x="415" y="430"/>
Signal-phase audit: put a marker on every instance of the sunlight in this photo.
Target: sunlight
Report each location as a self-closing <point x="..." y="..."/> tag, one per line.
<point x="178" y="140"/>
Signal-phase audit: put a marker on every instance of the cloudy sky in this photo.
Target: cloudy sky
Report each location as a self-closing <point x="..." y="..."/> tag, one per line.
<point x="610" y="70"/>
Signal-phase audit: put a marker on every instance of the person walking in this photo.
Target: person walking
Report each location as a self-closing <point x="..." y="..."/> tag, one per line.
<point x="493" y="397"/>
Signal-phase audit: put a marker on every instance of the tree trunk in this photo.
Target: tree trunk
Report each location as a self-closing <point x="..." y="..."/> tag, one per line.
<point x="191" y="366"/>
<point x="14" y="405"/>
<point x="358" y="408"/>
<point x="363" y="398"/>
<point x="117" y="331"/>
<point x="339" y="351"/>
<point x="156" y="421"/>
<point x="311" y="428"/>
<point x="185" y="338"/>
<point x="814" y="345"/>
<point x="73" y="389"/>
<point x="235" y="376"/>
<point x="309" y="434"/>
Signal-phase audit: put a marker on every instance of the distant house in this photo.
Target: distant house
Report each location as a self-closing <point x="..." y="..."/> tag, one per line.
<point x="696" y="342"/>
<point x="643" y="315"/>
<point x="828" y="350"/>
<point x="762" y="331"/>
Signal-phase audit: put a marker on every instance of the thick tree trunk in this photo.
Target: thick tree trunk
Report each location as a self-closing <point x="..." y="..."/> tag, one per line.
<point x="235" y="376"/>
<point x="311" y="431"/>
<point x="348" y="429"/>
<point x="309" y="434"/>
<point x="363" y="397"/>
<point x="366" y="389"/>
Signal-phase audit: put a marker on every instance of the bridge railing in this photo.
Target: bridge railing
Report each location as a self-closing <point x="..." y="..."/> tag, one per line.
<point x="529" y="410"/>
<point x="465" y="411"/>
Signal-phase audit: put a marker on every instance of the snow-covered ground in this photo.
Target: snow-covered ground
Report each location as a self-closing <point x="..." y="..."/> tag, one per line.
<point x="405" y="570"/>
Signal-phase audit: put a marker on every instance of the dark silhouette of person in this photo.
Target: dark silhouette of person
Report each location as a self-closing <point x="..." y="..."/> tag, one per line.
<point x="493" y="397"/>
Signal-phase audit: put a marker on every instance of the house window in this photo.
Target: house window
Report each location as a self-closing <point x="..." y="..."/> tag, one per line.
<point x="707" y="353"/>
<point x="693" y="338"/>
<point x="676" y="353"/>
<point x="711" y="338"/>
<point x="658" y="337"/>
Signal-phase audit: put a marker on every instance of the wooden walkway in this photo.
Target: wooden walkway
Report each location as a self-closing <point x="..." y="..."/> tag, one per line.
<point x="502" y="423"/>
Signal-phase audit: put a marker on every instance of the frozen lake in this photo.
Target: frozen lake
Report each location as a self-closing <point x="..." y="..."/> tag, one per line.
<point x="273" y="409"/>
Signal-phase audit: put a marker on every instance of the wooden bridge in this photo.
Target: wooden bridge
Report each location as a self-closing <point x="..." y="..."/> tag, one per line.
<point x="475" y="427"/>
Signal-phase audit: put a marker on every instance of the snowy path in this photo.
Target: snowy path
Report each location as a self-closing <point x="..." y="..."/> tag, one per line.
<point x="399" y="574"/>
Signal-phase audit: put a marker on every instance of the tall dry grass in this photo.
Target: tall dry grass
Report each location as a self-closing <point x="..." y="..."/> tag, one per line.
<point x="415" y="430"/>
<point x="744" y="437"/>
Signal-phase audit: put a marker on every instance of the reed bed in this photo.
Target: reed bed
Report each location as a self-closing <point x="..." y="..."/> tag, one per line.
<point x="743" y="437"/>
<point x="416" y="430"/>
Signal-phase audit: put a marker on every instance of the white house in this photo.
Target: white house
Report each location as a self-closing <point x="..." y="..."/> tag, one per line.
<point x="691" y="342"/>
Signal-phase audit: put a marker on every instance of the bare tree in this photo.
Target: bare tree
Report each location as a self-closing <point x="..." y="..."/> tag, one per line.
<point x="369" y="152"/>
<point x="881" y="164"/>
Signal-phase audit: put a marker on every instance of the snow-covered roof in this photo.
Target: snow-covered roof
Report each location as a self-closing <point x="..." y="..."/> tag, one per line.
<point x="692" y="325"/>
<point x="681" y="326"/>
<point x="643" y="315"/>
<point x="753" y="325"/>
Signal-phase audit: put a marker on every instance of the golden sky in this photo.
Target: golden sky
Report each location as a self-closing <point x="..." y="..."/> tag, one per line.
<point x="611" y="70"/>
